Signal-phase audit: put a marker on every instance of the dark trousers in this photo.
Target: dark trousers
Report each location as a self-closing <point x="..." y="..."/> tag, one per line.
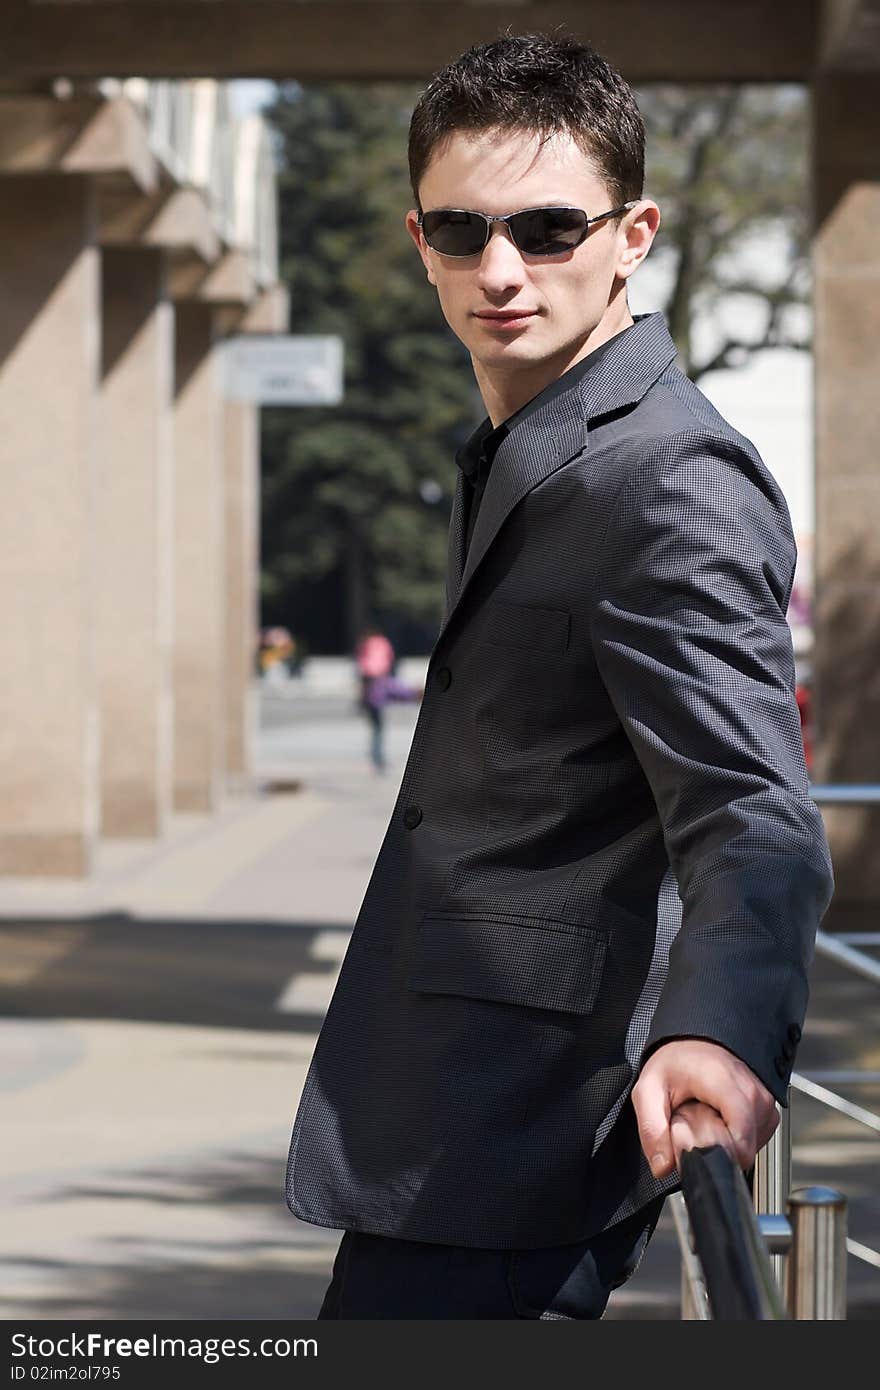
<point x="376" y="716"/>
<point x="383" y="1277"/>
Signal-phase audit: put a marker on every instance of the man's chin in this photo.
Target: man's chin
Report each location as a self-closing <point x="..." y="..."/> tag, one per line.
<point x="512" y="354"/>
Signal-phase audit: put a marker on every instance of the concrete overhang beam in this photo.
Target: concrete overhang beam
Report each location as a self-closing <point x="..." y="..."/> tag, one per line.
<point x="230" y="281"/>
<point x="82" y="135"/>
<point x="174" y="219"/>
<point x="312" y="40"/>
<point x="269" y="313"/>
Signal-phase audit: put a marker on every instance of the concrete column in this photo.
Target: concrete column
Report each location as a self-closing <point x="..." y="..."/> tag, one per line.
<point x="241" y="599"/>
<point x="135" y="556"/>
<point x="847" y="370"/>
<point x="49" y="339"/>
<point x="199" y="565"/>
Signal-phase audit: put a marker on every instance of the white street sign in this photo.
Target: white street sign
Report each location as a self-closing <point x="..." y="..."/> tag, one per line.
<point x="302" y="369"/>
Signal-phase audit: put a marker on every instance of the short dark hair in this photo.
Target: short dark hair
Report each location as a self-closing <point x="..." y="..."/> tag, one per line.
<point x="539" y="83"/>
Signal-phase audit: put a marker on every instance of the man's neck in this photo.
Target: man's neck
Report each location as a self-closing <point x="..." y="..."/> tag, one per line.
<point x="506" y="392"/>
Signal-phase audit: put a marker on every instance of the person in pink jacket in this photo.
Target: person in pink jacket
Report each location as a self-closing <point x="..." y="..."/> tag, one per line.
<point x="375" y="659"/>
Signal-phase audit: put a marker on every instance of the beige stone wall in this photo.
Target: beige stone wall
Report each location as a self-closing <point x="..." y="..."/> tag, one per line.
<point x="847" y="393"/>
<point x="49" y="329"/>
<point x="134" y="546"/>
<point x="199" y="645"/>
<point x="242" y="465"/>
<point x="137" y="227"/>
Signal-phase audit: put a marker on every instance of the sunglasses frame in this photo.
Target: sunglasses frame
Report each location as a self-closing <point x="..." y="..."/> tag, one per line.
<point x="489" y="218"/>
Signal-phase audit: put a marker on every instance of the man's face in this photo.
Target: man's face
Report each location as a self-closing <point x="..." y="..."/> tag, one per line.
<point x="518" y="312"/>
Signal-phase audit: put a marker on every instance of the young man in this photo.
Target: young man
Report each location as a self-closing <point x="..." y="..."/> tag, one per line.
<point x="585" y="942"/>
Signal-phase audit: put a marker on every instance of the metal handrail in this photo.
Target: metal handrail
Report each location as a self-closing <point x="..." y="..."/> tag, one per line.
<point x="845" y="793"/>
<point x="732" y="1254"/>
<point x="771" y="1183"/>
<point x="802" y="1251"/>
<point x="843" y="948"/>
<point x="727" y="1248"/>
<point x="836" y="1102"/>
<point x="694" y="1297"/>
<point x="845" y="954"/>
<point x="846" y="1107"/>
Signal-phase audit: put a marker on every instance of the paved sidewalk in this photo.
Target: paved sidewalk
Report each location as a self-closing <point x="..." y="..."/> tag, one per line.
<point x="156" y="1023"/>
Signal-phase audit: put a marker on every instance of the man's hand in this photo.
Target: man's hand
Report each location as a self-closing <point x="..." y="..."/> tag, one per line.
<point x="692" y="1093"/>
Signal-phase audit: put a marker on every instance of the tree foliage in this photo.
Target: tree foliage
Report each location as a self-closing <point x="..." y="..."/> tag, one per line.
<point x="365" y="486"/>
<point x="728" y="166"/>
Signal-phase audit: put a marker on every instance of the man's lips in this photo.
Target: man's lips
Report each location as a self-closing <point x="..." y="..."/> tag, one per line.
<point x="499" y="315"/>
<point x="505" y="318"/>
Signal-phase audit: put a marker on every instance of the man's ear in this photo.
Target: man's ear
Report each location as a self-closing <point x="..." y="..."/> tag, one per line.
<point x="415" y="231"/>
<point x="639" y="229"/>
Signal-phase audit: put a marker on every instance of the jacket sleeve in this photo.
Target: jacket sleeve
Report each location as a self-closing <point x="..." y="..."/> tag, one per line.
<point x="691" y="641"/>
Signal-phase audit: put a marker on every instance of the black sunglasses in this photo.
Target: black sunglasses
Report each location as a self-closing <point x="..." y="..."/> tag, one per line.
<point x="534" y="231"/>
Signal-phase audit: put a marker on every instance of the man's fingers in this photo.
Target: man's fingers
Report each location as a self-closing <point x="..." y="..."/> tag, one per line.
<point x="751" y="1116"/>
<point x="740" y="1126"/>
<point x="766" y="1115"/>
<point x="696" y="1070"/>
<point x="651" y="1104"/>
<point x="697" y="1126"/>
<point x="770" y="1125"/>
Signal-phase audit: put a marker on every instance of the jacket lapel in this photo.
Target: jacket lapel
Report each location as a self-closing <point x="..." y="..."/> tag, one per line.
<point x="455" y="554"/>
<point x="526" y="457"/>
<point x="550" y="438"/>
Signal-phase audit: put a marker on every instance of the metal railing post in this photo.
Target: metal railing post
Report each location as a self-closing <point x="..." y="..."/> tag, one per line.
<point x="816" y="1282"/>
<point x="694" y="1300"/>
<point x="772" y="1181"/>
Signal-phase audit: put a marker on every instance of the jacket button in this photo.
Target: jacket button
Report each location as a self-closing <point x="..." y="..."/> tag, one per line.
<point x="411" y="817"/>
<point x="794" y="1033"/>
<point x="444" y="678"/>
<point x="788" y="1051"/>
<point x="781" y="1067"/>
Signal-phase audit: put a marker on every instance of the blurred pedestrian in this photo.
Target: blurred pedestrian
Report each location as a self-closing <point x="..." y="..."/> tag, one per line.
<point x="804" y="704"/>
<point x="375" y="660"/>
<point x="276" y="651"/>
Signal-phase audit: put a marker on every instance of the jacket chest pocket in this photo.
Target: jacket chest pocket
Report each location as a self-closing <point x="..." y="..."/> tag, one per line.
<point x="544" y="630"/>
<point x="536" y="963"/>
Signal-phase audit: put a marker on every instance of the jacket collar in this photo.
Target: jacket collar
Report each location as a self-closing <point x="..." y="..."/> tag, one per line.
<point x="552" y="436"/>
<point x="632" y="364"/>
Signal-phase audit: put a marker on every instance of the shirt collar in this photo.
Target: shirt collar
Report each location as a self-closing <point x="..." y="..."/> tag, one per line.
<point x="475" y="456"/>
<point x="478" y="450"/>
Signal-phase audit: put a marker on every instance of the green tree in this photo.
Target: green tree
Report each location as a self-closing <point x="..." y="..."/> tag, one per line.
<point x="361" y="490"/>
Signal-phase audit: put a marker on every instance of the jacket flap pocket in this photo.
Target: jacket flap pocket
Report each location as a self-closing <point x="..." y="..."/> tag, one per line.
<point x="541" y="964"/>
<point x="520" y="625"/>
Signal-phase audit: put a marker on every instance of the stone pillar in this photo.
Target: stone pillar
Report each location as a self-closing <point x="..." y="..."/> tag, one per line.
<point x="134" y="512"/>
<point x="241" y="598"/>
<point x="847" y="393"/>
<point x="198" y="562"/>
<point x="49" y="343"/>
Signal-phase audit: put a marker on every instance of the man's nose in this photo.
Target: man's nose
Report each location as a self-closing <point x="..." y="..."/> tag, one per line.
<point x="501" y="265"/>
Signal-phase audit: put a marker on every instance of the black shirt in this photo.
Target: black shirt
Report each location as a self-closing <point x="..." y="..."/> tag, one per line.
<point x="475" y="456"/>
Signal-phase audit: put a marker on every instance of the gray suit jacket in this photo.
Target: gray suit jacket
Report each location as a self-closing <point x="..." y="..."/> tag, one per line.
<point x="604" y="836"/>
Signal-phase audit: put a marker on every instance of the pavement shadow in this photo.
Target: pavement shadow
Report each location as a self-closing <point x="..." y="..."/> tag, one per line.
<point x="219" y="974"/>
<point x="279" y="1271"/>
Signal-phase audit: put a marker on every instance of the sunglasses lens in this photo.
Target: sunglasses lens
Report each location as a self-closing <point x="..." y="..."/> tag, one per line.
<point x="548" y="231"/>
<point x="454" y="233"/>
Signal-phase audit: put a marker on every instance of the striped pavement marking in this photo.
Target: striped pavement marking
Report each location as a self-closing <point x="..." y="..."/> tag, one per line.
<point x="309" y="992"/>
